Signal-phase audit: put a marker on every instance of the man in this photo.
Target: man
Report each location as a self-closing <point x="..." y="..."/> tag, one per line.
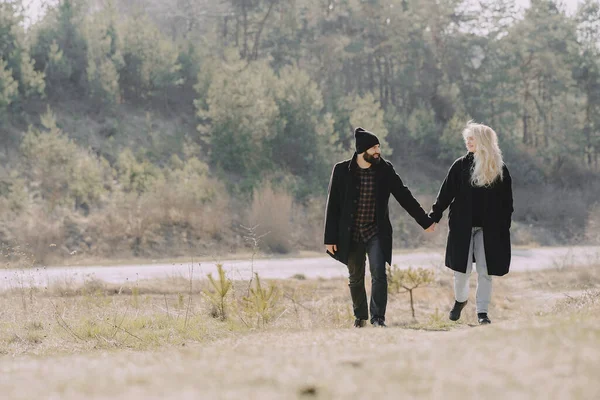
<point x="357" y="222"/>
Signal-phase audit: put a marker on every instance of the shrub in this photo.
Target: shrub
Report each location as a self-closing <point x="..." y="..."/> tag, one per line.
<point x="262" y="302"/>
<point x="408" y="280"/>
<point x="216" y="296"/>
<point x="272" y="211"/>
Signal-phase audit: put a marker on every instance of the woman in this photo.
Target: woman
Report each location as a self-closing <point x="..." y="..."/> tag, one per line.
<point x="478" y="189"/>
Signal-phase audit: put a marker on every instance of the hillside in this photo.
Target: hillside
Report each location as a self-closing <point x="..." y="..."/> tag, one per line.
<point x="154" y="129"/>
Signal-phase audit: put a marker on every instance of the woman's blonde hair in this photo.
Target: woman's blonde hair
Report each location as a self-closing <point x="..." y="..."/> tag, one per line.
<point x="488" y="156"/>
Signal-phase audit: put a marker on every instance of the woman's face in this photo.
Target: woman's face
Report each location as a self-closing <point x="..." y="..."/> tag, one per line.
<point x="470" y="143"/>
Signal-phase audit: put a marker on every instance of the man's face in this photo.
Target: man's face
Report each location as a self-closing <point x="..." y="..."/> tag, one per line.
<point x="373" y="155"/>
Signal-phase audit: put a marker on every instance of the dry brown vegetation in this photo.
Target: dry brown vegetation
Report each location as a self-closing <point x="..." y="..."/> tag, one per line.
<point x="65" y="317"/>
<point x="544" y="341"/>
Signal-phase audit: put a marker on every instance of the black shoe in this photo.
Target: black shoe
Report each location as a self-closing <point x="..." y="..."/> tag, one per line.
<point x="483" y="319"/>
<point x="455" y="312"/>
<point x="379" y="323"/>
<point x="360" y="323"/>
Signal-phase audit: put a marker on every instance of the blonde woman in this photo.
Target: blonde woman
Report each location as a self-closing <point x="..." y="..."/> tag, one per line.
<point x="478" y="189"/>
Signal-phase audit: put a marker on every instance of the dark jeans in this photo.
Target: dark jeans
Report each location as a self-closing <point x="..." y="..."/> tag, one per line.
<point x="356" y="268"/>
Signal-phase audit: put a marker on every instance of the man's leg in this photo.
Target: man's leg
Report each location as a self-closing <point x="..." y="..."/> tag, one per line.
<point x="356" y="281"/>
<point x="484" y="280"/>
<point x="379" y="285"/>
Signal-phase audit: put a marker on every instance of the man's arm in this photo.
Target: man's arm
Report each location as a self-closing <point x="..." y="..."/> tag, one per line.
<point x="332" y="211"/>
<point x="403" y="195"/>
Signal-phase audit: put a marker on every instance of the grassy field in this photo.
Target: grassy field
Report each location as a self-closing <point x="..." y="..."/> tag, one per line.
<point x="291" y="339"/>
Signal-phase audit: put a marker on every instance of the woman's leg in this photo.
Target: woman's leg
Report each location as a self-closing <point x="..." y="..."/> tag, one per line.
<point x="484" y="280"/>
<point x="461" y="280"/>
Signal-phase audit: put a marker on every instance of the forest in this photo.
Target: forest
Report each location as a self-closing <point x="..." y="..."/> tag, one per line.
<point x="164" y="128"/>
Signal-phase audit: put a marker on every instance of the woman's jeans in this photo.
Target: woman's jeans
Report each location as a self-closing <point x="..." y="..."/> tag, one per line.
<point x="484" y="281"/>
<point x="356" y="268"/>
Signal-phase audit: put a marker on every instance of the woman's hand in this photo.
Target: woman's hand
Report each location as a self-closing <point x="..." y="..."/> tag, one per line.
<point x="332" y="248"/>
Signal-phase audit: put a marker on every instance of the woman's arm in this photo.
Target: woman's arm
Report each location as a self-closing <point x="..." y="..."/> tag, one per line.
<point x="447" y="192"/>
<point x="507" y="198"/>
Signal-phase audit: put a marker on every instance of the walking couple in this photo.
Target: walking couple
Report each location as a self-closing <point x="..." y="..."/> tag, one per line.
<point x="478" y="190"/>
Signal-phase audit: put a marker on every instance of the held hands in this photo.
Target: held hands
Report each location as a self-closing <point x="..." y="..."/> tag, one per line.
<point x="431" y="228"/>
<point x="332" y="248"/>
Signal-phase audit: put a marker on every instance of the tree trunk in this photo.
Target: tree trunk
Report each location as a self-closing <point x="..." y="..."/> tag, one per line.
<point x="237" y="31"/>
<point x="587" y="131"/>
<point x="393" y="98"/>
<point x="260" y="29"/>
<point x="371" y="74"/>
<point x="225" y="21"/>
<point x="245" y="27"/>
<point x="525" y="133"/>
<point x="386" y="83"/>
<point x="380" y="76"/>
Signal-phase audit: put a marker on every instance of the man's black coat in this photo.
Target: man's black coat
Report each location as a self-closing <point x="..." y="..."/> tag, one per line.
<point x="456" y="192"/>
<point x="342" y="201"/>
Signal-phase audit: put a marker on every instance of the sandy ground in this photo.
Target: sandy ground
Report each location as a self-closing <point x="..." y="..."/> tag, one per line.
<point x="544" y="343"/>
<point x="547" y="359"/>
<point x="282" y="268"/>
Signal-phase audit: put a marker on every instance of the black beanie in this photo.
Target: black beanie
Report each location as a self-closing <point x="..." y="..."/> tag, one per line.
<point x="364" y="140"/>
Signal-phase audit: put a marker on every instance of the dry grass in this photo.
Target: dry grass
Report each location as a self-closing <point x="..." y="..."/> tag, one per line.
<point x="271" y="212"/>
<point x="151" y="314"/>
<point x="544" y="342"/>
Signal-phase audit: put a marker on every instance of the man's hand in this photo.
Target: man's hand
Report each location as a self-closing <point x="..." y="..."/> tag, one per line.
<point x="332" y="248"/>
<point x="431" y="228"/>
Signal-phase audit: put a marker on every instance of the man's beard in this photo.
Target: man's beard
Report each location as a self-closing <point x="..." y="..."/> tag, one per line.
<point x="371" y="159"/>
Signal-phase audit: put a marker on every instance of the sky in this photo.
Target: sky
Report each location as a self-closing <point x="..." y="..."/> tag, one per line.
<point x="35" y="6"/>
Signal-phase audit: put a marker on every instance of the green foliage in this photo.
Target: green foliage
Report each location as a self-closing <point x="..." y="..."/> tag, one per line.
<point x="9" y="88"/>
<point x="304" y="141"/>
<point x="136" y="176"/>
<point x="263" y="302"/>
<point x="452" y="142"/>
<point x="239" y="115"/>
<point x="104" y="57"/>
<point x="60" y="48"/>
<point x="277" y="91"/>
<point x="220" y="287"/>
<point x="15" y="53"/>
<point x="150" y="61"/>
<point x="189" y="179"/>
<point x="364" y="111"/>
<point x="423" y="129"/>
<point x="58" y="170"/>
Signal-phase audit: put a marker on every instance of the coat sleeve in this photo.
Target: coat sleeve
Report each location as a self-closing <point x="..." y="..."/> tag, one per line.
<point x="403" y="195"/>
<point x="507" y="198"/>
<point x="332" y="209"/>
<point x="447" y="193"/>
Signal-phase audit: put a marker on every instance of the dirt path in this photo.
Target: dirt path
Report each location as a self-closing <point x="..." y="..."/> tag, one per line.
<point x="544" y="343"/>
<point x="281" y="268"/>
<point x="549" y="359"/>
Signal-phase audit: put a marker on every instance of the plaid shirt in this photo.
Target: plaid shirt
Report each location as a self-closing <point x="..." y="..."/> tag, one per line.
<point x="365" y="226"/>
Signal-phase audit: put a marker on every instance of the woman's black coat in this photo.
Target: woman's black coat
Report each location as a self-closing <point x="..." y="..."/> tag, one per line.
<point x="342" y="201"/>
<point x="498" y="207"/>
